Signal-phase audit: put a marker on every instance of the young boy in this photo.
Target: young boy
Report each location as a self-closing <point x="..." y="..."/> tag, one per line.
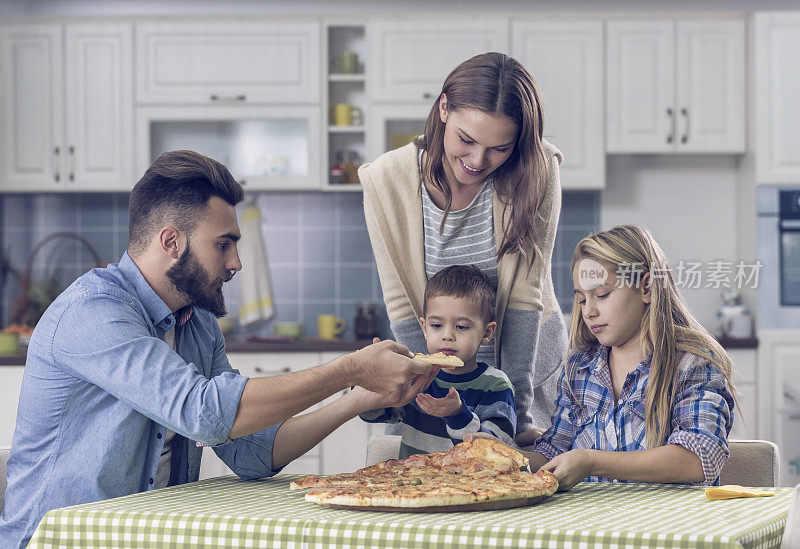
<point x="458" y="314"/>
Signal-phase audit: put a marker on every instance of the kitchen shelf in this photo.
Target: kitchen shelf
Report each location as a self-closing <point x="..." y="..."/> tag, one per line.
<point x="344" y="187"/>
<point x="345" y="38"/>
<point x="346" y="129"/>
<point x="333" y="77"/>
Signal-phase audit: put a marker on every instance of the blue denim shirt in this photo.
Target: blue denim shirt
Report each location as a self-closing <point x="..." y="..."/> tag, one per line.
<point x="101" y="388"/>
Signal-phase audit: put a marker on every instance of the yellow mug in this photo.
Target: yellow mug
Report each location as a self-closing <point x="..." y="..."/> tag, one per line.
<point x="330" y="326"/>
<point x="342" y="114"/>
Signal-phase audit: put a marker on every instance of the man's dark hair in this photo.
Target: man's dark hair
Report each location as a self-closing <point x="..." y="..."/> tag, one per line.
<point x="175" y="190"/>
<point x="462" y="281"/>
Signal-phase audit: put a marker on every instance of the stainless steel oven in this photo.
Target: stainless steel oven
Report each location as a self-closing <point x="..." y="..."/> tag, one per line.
<point x="779" y="253"/>
<point x="789" y="235"/>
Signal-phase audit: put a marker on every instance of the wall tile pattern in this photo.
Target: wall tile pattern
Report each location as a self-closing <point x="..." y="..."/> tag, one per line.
<point x="317" y="245"/>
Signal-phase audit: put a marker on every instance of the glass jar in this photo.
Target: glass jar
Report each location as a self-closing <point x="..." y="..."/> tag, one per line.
<point x="365" y="322"/>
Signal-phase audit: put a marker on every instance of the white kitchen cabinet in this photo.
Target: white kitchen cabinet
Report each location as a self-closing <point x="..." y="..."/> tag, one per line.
<point x="10" y="385"/>
<point x="228" y="62"/>
<point x="265" y="147"/>
<point x="745" y="423"/>
<point x="779" y="398"/>
<point x="566" y="60"/>
<point x="675" y="86"/>
<point x="67" y="107"/>
<point x="411" y="58"/>
<point x="776" y="81"/>
<point x="31" y="136"/>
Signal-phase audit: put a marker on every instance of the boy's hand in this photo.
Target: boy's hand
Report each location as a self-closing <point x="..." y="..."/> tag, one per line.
<point x="528" y="437"/>
<point x="570" y="468"/>
<point x="440" y="407"/>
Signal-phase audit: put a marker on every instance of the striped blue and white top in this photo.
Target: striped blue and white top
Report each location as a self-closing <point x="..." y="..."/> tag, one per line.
<point x="487" y="405"/>
<point x="467" y="239"/>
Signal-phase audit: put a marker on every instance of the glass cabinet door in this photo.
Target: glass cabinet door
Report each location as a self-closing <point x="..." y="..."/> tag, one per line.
<point x="396" y="125"/>
<point x="264" y="147"/>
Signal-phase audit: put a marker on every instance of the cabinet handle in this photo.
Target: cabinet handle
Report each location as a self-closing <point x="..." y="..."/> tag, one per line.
<point x="229" y="99"/>
<point x="672" y="125"/>
<point x="427" y="95"/>
<point x="71" y="163"/>
<point x="243" y="182"/>
<point x="57" y="174"/>
<point x="685" y="114"/>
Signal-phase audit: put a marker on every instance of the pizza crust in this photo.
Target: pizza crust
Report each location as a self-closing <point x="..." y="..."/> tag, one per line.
<point x="440" y="359"/>
<point x="478" y="474"/>
<point x="463" y="492"/>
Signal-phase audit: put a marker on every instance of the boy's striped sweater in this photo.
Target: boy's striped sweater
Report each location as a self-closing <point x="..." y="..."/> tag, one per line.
<point x="487" y="405"/>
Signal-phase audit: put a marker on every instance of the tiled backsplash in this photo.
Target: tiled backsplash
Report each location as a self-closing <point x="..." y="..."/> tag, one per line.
<point x="317" y="245"/>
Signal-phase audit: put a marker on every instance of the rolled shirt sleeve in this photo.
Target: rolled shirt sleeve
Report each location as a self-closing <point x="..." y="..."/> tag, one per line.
<point x="124" y="359"/>
<point x="702" y="416"/>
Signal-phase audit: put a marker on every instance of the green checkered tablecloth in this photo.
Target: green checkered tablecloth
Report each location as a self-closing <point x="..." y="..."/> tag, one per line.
<point x="228" y="512"/>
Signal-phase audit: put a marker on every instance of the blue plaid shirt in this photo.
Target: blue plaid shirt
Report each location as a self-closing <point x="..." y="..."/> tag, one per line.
<point x="586" y="415"/>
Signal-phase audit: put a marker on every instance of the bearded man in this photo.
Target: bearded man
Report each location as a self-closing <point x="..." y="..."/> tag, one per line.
<point x="126" y="374"/>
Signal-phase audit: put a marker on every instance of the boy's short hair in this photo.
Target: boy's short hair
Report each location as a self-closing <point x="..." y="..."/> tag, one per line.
<point x="463" y="281"/>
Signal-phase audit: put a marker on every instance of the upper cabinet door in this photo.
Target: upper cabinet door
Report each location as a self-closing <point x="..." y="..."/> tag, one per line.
<point x="566" y="59"/>
<point x="640" y="91"/>
<point x="710" y="86"/>
<point x="777" y="81"/>
<point x="228" y="63"/>
<point x="99" y="75"/>
<point x="409" y="60"/>
<point x="31" y="124"/>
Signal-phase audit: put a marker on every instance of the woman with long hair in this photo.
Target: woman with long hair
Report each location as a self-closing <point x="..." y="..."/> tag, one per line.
<point x="480" y="187"/>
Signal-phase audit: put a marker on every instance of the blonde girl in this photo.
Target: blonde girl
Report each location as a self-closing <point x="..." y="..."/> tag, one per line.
<point x="480" y="187"/>
<point x="646" y="391"/>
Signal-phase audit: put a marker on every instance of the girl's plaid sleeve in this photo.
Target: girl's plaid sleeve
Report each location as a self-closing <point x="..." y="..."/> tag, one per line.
<point x="702" y="415"/>
<point x="558" y="438"/>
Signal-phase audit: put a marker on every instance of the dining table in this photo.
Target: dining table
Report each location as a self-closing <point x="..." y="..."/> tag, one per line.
<point x="227" y="512"/>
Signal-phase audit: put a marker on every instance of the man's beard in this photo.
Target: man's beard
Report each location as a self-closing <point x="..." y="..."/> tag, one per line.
<point x="192" y="280"/>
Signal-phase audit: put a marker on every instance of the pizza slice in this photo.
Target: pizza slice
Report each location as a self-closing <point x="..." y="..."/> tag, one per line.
<point x="480" y="457"/>
<point x="440" y="359"/>
<point x="483" y="453"/>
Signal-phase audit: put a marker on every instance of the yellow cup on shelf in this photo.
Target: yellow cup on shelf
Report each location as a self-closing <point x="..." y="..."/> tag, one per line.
<point x="330" y="326"/>
<point x="343" y="114"/>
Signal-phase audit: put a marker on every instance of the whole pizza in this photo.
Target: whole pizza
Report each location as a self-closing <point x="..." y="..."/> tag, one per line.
<point x="479" y="474"/>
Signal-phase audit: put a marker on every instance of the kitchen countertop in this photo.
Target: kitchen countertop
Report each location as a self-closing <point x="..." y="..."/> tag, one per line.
<point x="312" y="345"/>
<point x="304" y="345"/>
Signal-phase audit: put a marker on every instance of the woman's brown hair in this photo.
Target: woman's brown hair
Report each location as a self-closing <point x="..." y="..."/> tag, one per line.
<point x="496" y="83"/>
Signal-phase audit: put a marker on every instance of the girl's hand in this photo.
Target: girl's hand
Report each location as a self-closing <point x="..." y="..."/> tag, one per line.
<point x="570" y="468"/>
<point x="528" y="437"/>
<point x="440" y="407"/>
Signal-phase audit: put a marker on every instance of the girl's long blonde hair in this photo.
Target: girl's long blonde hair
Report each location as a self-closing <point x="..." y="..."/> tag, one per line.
<point x="667" y="326"/>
